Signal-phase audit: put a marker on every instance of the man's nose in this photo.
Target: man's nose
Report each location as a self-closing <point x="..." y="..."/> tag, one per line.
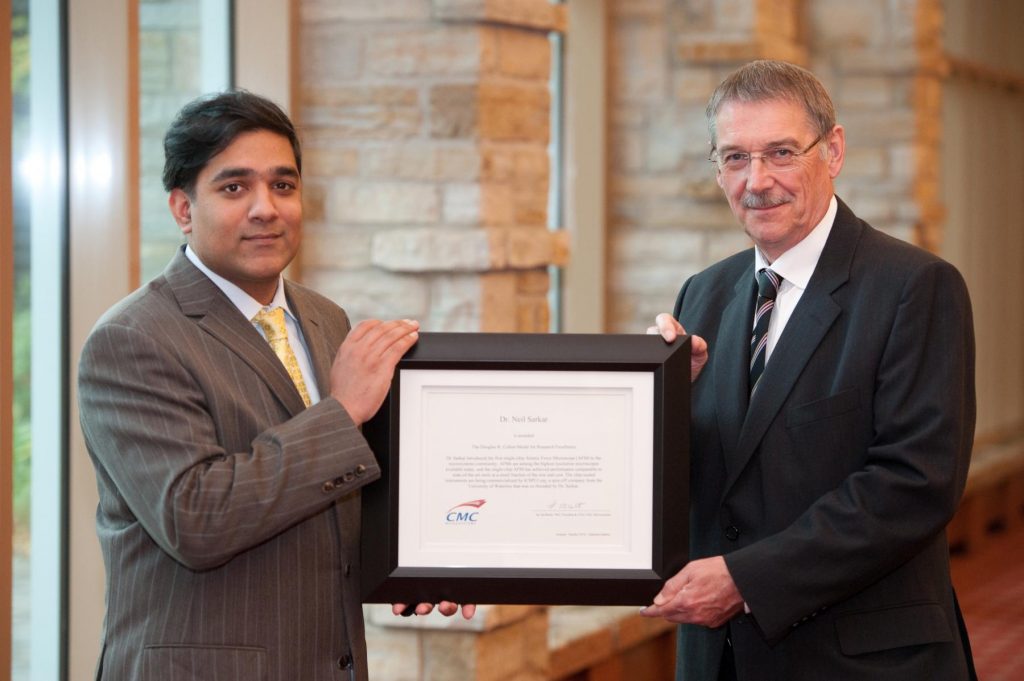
<point x="263" y="206"/>
<point x="759" y="175"/>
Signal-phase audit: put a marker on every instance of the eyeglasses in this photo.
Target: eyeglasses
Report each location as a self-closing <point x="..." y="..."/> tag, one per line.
<point x="776" y="158"/>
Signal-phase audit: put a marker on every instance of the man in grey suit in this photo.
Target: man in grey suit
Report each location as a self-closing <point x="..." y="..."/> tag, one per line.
<point x="221" y="407"/>
<point x="832" y="422"/>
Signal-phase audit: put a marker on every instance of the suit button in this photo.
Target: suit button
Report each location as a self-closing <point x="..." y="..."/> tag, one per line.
<point x="360" y="469"/>
<point x="348" y="569"/>
<point x="328" y="487"/>
<point x="345" y="662"/>
<point x="348" y="477"/>
<point x="732" y="533"/>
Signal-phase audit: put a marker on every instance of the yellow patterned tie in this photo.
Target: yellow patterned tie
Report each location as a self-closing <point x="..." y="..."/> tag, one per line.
<point x="272" y="323"/>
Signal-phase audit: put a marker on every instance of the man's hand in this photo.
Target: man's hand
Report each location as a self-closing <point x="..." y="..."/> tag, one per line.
<point x="362" y="369"/>
<point x="446" y="608"/>
<point x="670" y="329"/>
<point x="702" y="593"/>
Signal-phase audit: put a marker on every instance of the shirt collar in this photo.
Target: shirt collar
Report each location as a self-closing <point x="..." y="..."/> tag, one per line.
<point x="797" y="264"/>
<point x="245" y="303"/>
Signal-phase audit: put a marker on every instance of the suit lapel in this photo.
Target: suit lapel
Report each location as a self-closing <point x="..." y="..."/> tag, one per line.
<point x="811" y="320"/>
<point x="201" y="300"/>
<point x="321" y="355"/>
<point x="730" y="371"/>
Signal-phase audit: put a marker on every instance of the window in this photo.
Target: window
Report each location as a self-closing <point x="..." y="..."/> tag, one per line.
<point x="39" y="396"/>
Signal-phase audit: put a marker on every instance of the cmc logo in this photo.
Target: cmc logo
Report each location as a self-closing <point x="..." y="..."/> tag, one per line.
<point x="455" y="515"/>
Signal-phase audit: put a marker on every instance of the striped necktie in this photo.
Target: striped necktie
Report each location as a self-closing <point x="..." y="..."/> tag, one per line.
<point x="767" y="287"/>
<point x="272" y="323"/>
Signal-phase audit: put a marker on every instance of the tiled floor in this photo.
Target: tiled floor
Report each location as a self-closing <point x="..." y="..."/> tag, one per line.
<point x="990" y="586"/>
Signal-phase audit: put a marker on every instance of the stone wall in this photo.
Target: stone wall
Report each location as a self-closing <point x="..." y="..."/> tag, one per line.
<point x="668" y="218"/>
<point x="426" y="170"/>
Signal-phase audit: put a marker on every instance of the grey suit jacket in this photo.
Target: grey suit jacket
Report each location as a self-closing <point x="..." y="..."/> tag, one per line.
<point x="228" y="513"/>
<point x="829" y="493"/>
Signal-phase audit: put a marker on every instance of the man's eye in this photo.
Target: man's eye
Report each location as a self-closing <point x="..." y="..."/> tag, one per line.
<point x="737" y="157"/>
<point x="284" y="186"/>
<point x="233" y="188"/>
<point x="781" y="153"/>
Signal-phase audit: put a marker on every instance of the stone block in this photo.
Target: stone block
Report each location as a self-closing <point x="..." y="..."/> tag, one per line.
<point x="723" y="244"/>
<point x="534" y="282"/>
<point x="455" y="302"/>
<point x="639" y="62"/>
<point x="352" y="201"/>
<point x="530" y="204"/>
<point x="646" y="246"/>
<point x="325" y="247"/>
<point x="371" y="293"/>
<point x="849" y="24"/>
<point x="682" y="213"/>
<point x="879" y="126"/>
<point x="864" y="92"/>
<point x="320" y="161"/>
<point x="902" y="160"/>
<point x="461" y="204"/>
<point x="661" y="280"/>
<point x="633" y="115"/>
<point x="638" y="9"/>
<point x="453" y="111"/>
<point x="736" y="15"/>
<point x="498" y="295"/>
<point x="431" y="250"/>
<point x="330" y="115"/>
<point x="695" y="85"/>
<point x="514" y="111"/>
<point x="445" y="50"/>
<point x="528" y="247"/>
<point x="516" y="652"/>
<point x="458" y="163"/>
<point x="504" y="162"/>
<point x="627" y="150"/>
<point x="869" y="162"/>
<point x="533" y="315"/>
<point x="449" y="656"/>
<point x="317" y="11"/>
<point x="517" y="53"/>
<point x="497" y="204"/>
<point x="329" y="54"/>
<point x="426" y="161"/>
<point x="646" y="185"/>
<point x="313" y="195"/>
<point x="870" y="59"/>
<point x="393" y="654"/>
<point x="675" y="134"/>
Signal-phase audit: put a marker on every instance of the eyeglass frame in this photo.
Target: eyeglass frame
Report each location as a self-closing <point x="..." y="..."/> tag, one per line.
<point x="752" y="155"/>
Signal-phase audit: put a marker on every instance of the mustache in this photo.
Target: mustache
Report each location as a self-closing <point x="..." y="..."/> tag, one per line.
<point x="764" y="200"/>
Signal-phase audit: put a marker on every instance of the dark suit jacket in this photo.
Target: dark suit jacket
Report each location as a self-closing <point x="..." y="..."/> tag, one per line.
<point x="830" y="493"/>
<point x="228" y="514"/>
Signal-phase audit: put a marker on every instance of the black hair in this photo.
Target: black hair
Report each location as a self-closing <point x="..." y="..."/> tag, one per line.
<point x="207" y="125"/>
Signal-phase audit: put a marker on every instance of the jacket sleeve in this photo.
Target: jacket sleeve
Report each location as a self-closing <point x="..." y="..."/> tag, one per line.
<point x="150" y="429"/>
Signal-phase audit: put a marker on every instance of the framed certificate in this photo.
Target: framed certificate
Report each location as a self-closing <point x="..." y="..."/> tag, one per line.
<point x="530" y="468"/>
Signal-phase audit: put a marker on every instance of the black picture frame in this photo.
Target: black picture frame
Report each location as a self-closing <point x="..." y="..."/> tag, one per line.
<point x="384" y="581"/>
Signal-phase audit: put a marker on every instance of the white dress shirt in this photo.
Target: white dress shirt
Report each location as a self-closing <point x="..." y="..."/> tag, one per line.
<point x="795" y="266"/>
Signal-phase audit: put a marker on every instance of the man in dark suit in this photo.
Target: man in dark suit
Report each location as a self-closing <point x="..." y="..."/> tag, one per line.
<point x="833" y="418"/>
<point x="221" y="407"/>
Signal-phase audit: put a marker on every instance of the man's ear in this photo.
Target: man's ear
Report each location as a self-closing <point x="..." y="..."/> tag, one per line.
<point x="181" y="208"/>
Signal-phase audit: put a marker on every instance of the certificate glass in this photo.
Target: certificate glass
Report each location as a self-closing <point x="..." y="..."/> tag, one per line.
<point x="529" y="469"/>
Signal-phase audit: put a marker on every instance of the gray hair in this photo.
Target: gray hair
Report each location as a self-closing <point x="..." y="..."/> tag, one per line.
<point x="768" y="79"/>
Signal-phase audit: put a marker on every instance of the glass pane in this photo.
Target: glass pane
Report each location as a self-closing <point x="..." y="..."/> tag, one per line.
<point x="184" y="51"/>
<point x="39" y="397"/>
<point x="22" y="408"/>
